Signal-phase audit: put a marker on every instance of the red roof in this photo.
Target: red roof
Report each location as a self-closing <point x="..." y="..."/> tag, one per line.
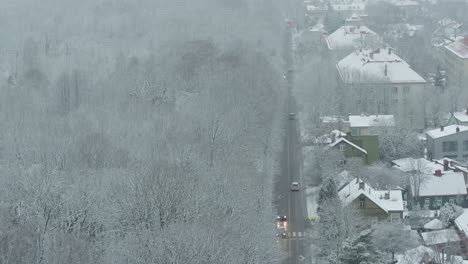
<point x="459" y="47"/>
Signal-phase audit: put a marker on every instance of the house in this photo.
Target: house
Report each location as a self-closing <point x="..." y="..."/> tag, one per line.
<point x="378" y="81"/>
<point x="426" y="255"/>
<point x="458" y="118"/>
<point x="456" y="62"/>
<point x="355" y="20"/>
<point x="351" y="37"/>
<point x="375" y="205"/>
<point x="449" y="142"/>
<point x="443" y="240"/>
<point x="363" y="125"/>
<point x="349" y="149"/>
<point x="432" y="184"/>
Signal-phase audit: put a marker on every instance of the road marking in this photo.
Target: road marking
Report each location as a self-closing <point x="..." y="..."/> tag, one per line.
<point x="298" y="234"/>
<point x="294" y="234"/>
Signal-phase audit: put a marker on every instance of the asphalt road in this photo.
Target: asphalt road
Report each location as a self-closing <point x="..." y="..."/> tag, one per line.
<point x="292" y="204"/>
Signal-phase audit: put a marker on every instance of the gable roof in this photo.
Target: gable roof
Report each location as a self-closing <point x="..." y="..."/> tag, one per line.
<point x="434" y="224"/>
<point x="350" y="37"/>
<point x="351" y="191"/>
<point x="461" y="116"/>
<point x="462" y="223"/>
<point x="342" y="139"/>
<point x="448" y="130"/>
<point x="459" y="47"/>
<point x="376" y="66"/>
<point x="371" y="120"/>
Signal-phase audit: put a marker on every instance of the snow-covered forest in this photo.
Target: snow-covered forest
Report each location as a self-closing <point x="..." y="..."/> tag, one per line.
<point x="139" y="132"/>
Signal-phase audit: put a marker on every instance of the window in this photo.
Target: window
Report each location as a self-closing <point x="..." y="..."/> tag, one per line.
<point x="439" y="202"/>
<point x="465" y="145"/>
<point x="452" y="200"/>
<point x="426" y="203"/>
<point x="355" y="131"/>
<point x="394" y="90"/>
<point x="362" y="203"/>
<point x="406" y="89"/>
<point x="395" y="101"/>
<point x="342" y="147"/>
<point x="449" y="146"/>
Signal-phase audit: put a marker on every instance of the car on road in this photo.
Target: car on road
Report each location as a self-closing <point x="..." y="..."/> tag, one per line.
<point x="281" y="218"/>
<point x="281" y="232"/>
<point x="292" y="116"/>
<point x="294" y="186"/>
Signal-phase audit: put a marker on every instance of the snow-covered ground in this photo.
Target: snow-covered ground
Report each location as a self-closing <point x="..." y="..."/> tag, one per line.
<point x="312" y="198"/>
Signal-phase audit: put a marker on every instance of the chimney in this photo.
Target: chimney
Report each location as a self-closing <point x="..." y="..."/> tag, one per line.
<point x="457" y="129"/>
<point x="446" y="165"/>
<point x="387" y="195"/>
<point x="466" y="111"/>
<point x="441" y="128"/>
<point x="386" y="70"/>
<point x="361" y="186"/>
<point x="438" y="173"/>
<point x="371" y="55"/>
<point x="389" y="51"/>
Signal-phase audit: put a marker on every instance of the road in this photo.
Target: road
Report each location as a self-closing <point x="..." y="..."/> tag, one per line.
<point x="292" y="204"/>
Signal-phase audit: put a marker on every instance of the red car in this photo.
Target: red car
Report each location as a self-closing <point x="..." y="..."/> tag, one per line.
<point x="294" y="186"/>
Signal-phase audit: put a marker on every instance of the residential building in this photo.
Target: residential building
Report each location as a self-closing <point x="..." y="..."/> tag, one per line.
<point x="445" y="240"/>
<point x="456" y="62"/>
<point x="426" y="255"/>
<point x="349" y="149"/>
<point x="375" y="205"/>
<point x="434" y="224"/>
<point x="461" y="225"/>
<point x="449" y="142"/>
<point x="362" y="125"/>
<point x="433" y="184"/>
<point x="378" y="81"/>
<point x="459" y="118"/>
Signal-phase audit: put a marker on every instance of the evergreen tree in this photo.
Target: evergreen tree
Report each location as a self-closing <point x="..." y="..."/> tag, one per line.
<point x="332" y="19"/>
<point x="359" y="250"/>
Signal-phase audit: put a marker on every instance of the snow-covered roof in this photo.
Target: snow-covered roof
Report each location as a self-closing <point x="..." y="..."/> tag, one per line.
<point x="461" y="116"/>
<point x="452" y="184"/>
<point x="353" y="18"/>
<point x="416" y="255"/>
<point x="351" y="191"/>
<point x="371" y="120"/>
<point x="405" y="3"/>
<point x="440" y="237"/>
<point x="421" y="164"/>
<point x="459" y="47"/>
<point x="380" y="65"/>
<point x="332" y="119"/>
<point x="350" y="37"/>
<point x="342" y="139"/>
<point x="329" y="138"/>
<point x="462" y="223"/>
<point x="434" y="224"/>
<point x="447" y="131"/>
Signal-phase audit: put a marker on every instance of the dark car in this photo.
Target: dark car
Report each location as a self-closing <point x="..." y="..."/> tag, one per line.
<point x="295" y="186"/>
<point x="281" y="218"/>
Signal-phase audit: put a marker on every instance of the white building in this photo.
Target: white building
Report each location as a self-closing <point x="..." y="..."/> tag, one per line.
<point x="379" y="81"/>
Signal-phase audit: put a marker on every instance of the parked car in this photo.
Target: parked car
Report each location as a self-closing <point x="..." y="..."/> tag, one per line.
<point x="292" y="116"/>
